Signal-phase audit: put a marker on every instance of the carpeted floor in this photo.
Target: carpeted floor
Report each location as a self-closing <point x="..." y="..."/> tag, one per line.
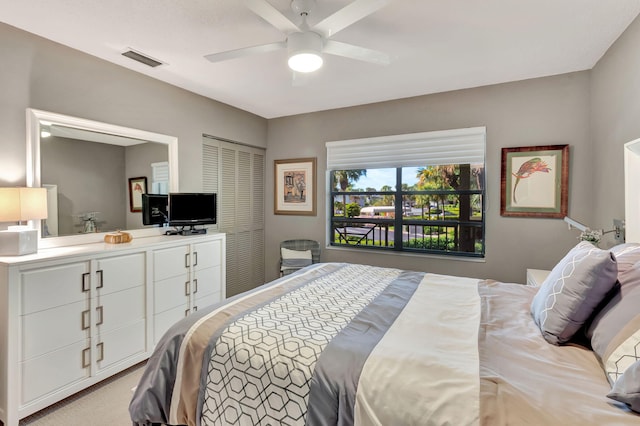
<point x="104" y="404"/>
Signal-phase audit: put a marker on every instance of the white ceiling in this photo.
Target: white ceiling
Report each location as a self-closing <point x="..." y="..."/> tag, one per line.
<point x="435" y="45"/>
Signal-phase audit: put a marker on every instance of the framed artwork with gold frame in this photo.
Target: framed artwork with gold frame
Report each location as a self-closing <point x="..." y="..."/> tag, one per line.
<point x="295" y="186"/>
<point x="535" y="181"/>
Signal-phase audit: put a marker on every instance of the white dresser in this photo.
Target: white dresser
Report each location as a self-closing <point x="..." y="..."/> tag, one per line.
<point x="73" y="316"/>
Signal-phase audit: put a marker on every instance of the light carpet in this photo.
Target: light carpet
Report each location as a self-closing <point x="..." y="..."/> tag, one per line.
<point x="104" y="404"/>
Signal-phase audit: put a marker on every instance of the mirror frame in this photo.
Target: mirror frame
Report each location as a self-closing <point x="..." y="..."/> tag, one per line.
<point x="33" y="172"/>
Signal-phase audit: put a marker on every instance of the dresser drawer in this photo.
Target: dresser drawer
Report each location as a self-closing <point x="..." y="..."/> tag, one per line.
<point x="119" y="309"/>
<point x="45" y="288"/>
<point x="119" y="344"/>
<point x="208" y="281"/>
<point x="120" y="273"/>
<point x="51" y="329"/>
<point x="163" y="321"/>
<point x="171" y="293"/>
<point x="54" y="371"/>
<point x="170" y="262"/>
<point x="206" y="300"/>
<point x="207" y="254"/>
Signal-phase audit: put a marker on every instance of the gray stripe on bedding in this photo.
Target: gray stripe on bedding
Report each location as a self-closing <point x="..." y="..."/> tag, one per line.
<point x="260" y="368"/>
<point x="337" y="372"/>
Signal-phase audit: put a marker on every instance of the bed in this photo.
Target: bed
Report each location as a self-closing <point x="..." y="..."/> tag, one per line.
<point x="349" y="344"/>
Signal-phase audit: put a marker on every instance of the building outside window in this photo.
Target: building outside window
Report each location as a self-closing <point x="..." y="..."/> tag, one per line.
<point x="430" y="201"/>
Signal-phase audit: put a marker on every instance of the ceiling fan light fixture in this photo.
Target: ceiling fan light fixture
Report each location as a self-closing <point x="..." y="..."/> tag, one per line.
<point x="305" y="62"/>
<point x="305" y="51"/>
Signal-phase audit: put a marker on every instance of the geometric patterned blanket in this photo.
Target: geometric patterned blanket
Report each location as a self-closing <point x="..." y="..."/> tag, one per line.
<point x="262" y="363"/>
<point x="296" y="352"/>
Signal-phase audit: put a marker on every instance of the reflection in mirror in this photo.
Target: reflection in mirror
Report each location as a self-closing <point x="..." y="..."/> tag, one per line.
<point x="85" y="166"/>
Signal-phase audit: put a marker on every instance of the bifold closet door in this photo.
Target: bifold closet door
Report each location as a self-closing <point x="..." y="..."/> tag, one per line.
<point x="237" y="173"/>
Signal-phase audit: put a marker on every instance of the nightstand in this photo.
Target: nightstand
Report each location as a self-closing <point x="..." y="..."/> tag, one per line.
<point x="535" y="277"/>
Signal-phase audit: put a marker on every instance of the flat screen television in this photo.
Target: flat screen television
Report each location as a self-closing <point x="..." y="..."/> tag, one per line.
<point x="154" y="209"/>
<point x="191" y="209"/>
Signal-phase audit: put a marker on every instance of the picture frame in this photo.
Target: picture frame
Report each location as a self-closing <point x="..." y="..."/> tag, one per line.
<point x="295" y="186"/>
<point x="535" y="181"/>
<point x="137" y="187"/>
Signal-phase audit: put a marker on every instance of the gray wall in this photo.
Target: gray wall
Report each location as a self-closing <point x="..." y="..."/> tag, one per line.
<point x="593" y="111"/>
<point x="615" y="120"/>
<point x="37" y="73"/>
<point x="90" y="177"/>
<point x="545" y="111"/>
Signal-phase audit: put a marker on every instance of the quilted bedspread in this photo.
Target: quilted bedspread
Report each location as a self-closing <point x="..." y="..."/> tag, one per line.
<point x="347" y="344"/>
<point x="334" y="344"/>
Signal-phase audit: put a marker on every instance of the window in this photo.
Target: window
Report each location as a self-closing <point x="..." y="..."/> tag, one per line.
<point x="421" y="193"/>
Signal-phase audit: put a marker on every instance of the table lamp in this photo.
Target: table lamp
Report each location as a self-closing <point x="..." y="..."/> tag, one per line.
<point x="18" y="205"/>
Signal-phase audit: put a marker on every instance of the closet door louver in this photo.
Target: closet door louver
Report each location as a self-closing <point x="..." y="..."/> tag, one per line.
<point x="236" y="173"/>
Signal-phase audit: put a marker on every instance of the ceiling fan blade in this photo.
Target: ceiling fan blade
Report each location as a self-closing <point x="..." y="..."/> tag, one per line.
<point x="356" y="52"/>
<point x="245" y="51"/>
<point x="272" y="15"/>
<point x="347" y="16"/>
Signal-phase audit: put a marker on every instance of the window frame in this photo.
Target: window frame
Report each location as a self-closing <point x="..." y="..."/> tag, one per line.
<point x="437" y="142"/>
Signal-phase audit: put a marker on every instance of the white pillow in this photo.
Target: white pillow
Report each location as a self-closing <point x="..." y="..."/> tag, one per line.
<point x="295" y="254"/>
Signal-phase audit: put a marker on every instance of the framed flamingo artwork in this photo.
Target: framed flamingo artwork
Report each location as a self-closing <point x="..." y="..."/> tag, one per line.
<point x="534" y="181"/>
<point x="137" y="187"/>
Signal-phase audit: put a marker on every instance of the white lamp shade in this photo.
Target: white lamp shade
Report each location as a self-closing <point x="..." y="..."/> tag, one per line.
<point x="305" y="51"/>
<point x="18" y="204"/>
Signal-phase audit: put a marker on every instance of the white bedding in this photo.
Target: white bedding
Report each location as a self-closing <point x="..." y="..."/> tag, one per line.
<point x="417" y="369"/>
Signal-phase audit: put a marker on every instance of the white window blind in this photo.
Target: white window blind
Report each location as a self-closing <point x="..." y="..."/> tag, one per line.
<point x="458" y="146"/>
<point x="160" y="177"/>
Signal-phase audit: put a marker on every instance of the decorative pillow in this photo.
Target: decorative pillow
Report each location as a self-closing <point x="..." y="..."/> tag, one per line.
<point x="615" y="329"/>
<point x="295" y="259"/>
<point x="572" y="291"/>
<point x="627" y="388"/>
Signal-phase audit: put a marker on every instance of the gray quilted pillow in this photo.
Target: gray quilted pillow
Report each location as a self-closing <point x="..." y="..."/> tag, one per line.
<point x="572" y="291"/>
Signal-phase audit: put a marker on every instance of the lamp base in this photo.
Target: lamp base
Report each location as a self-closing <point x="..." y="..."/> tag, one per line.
<point x="18" y="243"/>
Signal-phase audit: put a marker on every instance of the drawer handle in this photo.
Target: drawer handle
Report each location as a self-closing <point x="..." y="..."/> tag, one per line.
<point x="100" y="278"/>
<point x="86" y="361"/>
<point x="100" y="347"/>
<point x="186" y="312"/>
<point x="195" y="285"/>
<point x="85" y="319"/>
<point x="187" y="289"/>
<point x="85" y="282"/>
<point x="195" y="308"/>
<point x="195" y="258"/>
<point x="186" y="260"/>
<point x="100" y="312"/>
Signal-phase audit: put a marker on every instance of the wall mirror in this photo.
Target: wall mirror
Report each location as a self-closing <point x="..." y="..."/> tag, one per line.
<point x="87" y="167"/>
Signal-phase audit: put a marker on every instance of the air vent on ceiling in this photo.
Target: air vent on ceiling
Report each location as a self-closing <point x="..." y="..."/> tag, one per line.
<point x="136" y="56"/>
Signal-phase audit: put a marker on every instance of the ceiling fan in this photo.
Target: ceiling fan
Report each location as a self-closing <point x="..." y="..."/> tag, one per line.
<point x="305" y="45"/>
